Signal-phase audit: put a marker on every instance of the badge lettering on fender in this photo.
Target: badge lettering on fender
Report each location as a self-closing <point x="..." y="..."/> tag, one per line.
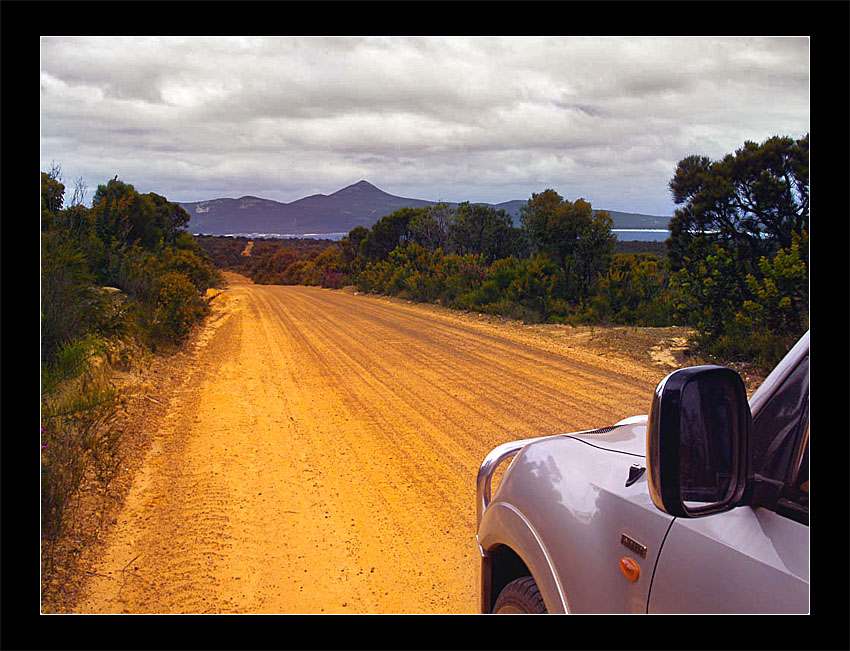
<point x="633" y="545"/>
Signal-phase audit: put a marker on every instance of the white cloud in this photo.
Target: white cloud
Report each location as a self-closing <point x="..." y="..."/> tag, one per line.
<point x="484" y="119"/>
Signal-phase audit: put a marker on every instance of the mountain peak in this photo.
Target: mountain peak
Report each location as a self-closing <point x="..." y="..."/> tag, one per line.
<point x="361" y="185"/>
<point x="359" y="204"/>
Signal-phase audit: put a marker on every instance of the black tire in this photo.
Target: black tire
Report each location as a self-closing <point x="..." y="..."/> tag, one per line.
<point x="520" y="597"/>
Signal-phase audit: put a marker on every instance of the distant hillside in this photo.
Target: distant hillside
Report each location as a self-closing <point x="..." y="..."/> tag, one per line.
<point x="361" y="204"/>
<point x="637" y="220"/>
<point x="621" y="219"/>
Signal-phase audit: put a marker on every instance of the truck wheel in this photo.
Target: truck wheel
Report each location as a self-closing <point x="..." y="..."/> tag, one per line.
<point x="520" y="597"/>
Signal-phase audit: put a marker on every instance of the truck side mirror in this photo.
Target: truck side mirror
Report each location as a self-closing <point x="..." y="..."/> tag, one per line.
<point x="697" y="441"/>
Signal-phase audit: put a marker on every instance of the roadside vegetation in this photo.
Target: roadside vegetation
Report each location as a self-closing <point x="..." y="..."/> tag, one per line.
<point x="735" y="266"/>
<point x="123" y="279"/>
<point x="119" y="280"/>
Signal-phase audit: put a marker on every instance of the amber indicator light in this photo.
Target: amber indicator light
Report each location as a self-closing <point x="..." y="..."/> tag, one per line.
<point x="630" y="569"/>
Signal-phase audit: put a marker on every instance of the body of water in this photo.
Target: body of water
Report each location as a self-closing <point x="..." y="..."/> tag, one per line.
<point x="623" y="234"/>
<point x="283" y="236"/>
<point x="641" y="234"/>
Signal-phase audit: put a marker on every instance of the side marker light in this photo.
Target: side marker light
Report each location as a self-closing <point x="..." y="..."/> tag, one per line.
<point x="630" y="569"/>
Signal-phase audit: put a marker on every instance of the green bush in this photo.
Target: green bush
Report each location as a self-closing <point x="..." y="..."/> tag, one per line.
<point x="779" y="297"/>
<point x="188" y="262"/>
<point x="67" y="294"/>
<point x="154" y="274"/>
<point x="138" y="273"/>
<point x="178" y="306"/>
<point x="753" y="317"/>
<point x="270" y="269"/>
<point x="77" y="433"/>
<point x="632" y="292"/>
<point x="296" y="273"/>
<point x="532" y="287"/>
<point x="520" y="289"/>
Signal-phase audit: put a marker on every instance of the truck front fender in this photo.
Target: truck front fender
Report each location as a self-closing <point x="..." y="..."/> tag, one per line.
<point x="566" y="507"/>
<point x="504" y="526"/>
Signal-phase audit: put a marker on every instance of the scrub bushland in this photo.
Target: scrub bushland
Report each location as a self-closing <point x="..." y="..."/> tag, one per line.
<point x="735" y="266"/>
<point x="119" y="280"/>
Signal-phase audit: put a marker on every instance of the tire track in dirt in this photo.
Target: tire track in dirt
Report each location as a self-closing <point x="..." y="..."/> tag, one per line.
<point x="372" y="477"/>
<point x="321" y="452"/>
<point x="544" y="384"/>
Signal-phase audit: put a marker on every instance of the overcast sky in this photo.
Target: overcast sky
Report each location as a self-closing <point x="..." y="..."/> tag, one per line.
<point x="443" y="118"/>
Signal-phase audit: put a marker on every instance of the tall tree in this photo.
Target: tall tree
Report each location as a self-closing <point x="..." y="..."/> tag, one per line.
<point x="121" y="214"/>
<point x="484" y="230"/>
<point x="389" y="232"/>
<point x="738" y="247"/>
<point x="352" y="244"/>
<point x="430" y="227"/>
<point x="52" y="195"/>
<point x="579" y="240"/>
<point x="752" y="200"/>
<point x="170" y="217"/>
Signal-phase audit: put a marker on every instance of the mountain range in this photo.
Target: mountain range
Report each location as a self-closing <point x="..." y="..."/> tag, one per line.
<point x="360" y="204"/>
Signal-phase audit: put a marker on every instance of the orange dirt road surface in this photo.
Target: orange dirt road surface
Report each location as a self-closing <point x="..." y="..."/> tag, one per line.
<point x="320" y="449"/>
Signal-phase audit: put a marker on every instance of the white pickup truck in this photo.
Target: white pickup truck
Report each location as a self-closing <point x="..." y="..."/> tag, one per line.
<point x="699" y="507"/>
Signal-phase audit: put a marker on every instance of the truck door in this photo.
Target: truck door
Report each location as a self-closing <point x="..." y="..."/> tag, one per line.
<point x="749" y="559"/>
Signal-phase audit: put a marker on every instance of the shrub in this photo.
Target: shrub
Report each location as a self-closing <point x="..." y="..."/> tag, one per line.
<point x="295" y="273"/>
<point x="66" y="293"/>
<point x="779" y="298"/>
<point x="632" y="292"/>
<point x="532" y="287"/>
<point x="753" y="317"/>
<point x="198" y="271"/>
<point x="334" y="280"/>
<point x="177" y="307"/>
<point x="77" y="434"/>
<point x="269" y="269"/>
<point x="138" y="273"/>
<point x="155" y="273"/>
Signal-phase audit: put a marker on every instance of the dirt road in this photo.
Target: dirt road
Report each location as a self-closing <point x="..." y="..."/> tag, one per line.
<point x="320" y="449"/>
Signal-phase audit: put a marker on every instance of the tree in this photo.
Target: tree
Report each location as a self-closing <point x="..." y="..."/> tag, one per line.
<point x="751" y="201"/>
<point x="351" y="249"/>
<point x="430" y="227"/>
<point x="483" y="230"/>
<point x="80" y="189"/>
<point x="738" y="248"/>
<point x="389" y="232"/>
<point x="76" y="213"/>
<point x="52" y="195"/>
<point x="170" y="217"/>
<point x="778" y="310"/>
<point x="633" y="291"/>
<point x="122" y="214"/>
<point x="573" y="236"/>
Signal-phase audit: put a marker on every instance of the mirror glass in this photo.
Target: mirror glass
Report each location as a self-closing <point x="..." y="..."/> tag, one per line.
<point x="708" y="434"/>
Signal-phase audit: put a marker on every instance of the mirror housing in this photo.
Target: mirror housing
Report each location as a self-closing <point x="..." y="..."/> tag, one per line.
<point x="697" y="441"/>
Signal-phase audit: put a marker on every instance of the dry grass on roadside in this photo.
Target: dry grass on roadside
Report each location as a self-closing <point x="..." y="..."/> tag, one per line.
<point x="95" y="504"/>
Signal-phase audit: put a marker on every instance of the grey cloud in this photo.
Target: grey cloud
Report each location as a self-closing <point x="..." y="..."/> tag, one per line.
<point x="428" y="116"/>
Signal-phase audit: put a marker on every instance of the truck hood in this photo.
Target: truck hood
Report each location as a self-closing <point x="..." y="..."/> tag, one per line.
<point x="627" y="436"/>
